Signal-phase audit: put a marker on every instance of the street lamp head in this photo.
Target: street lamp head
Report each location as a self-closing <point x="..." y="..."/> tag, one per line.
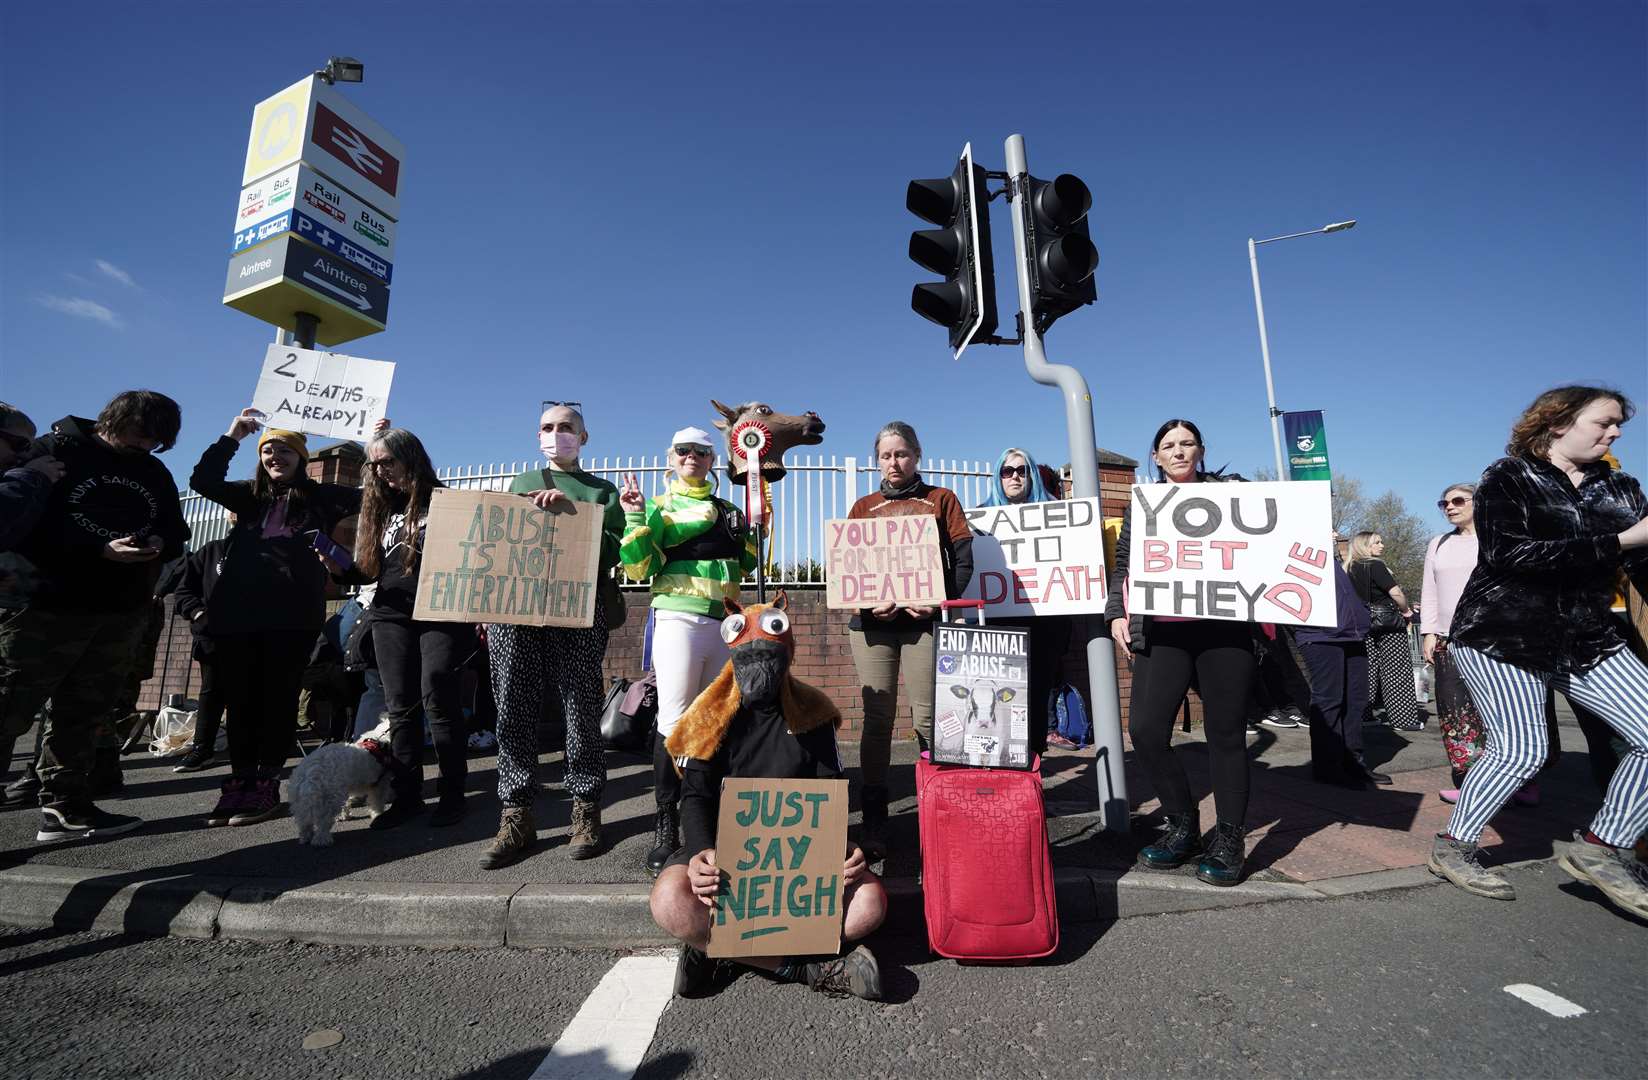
<point x="342" y="69"/>
<point x="1340" y="226"/>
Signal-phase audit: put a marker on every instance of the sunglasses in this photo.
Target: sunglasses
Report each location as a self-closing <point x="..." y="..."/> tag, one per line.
<point x="696" y="451"/>
<point x="18" y="443"/>
<point x="568" y="404"/>
<point x="379" y="466"/>
<point x="1010" y="471"/>
<point x="1457" y="500"/>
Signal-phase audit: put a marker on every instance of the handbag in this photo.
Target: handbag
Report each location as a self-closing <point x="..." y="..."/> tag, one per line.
<point x="1386" y="619"/>
<point x="611" y="599"/>
<point x="630" y="714"/>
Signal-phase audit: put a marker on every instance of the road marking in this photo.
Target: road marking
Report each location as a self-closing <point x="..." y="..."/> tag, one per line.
<point x="611" y="1033"/>
<point x="1539" y="998"/>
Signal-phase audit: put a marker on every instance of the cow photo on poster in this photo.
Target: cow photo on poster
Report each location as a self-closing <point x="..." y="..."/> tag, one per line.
<point x="981" y="697"/>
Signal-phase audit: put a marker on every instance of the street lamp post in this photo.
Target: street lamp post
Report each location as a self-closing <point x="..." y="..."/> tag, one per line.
<point x="1264" y="339"/>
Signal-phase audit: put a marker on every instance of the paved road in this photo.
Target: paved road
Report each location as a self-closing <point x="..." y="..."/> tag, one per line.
<point x="1403" y="984"/>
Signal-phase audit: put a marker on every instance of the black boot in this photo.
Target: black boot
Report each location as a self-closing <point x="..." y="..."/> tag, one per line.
<point x="1226" y="848"/>
<point x="106" y="778"/>
<point x="666" y="831"/>
<point x="1359" y="769"/>
<point x="873" y="833"/>
<point x="1178" y="844"/>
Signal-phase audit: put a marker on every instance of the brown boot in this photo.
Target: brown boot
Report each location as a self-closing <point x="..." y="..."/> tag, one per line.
<point x="517" y="835"/>
<point x="586" y="828"/>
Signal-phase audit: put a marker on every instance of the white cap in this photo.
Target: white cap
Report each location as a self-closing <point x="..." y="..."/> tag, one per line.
<point x="692" y="436"/>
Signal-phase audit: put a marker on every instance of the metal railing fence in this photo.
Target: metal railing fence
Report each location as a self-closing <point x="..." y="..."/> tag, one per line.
<point x="816" y="489"/>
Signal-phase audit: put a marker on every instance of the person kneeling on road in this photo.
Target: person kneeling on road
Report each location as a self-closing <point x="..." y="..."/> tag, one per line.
<point x="755" y="720"/>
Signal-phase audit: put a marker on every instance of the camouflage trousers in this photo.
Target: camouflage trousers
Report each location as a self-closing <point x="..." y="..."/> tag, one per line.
<point x="79" y="662"/>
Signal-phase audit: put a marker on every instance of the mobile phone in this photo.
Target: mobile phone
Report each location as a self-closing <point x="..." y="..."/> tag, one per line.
<point x="332" y="550"/>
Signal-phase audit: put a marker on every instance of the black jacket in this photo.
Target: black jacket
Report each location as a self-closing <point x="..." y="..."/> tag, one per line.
<point x="105" y="494"/>
<point x="23" y="497"/>
<point x="273" y="583"/>
<point x="1539" y="597"/>
<point x="194" y="588"/>
<point x="757" y="744"/>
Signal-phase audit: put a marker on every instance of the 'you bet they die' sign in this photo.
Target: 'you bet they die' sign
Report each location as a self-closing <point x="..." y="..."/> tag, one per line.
<point x="1243" y="552"/>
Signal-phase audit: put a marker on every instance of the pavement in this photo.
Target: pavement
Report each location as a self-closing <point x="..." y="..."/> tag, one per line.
<point x="422" y="886"/>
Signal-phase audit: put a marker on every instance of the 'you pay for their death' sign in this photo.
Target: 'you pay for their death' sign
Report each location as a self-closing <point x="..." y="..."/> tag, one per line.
<point x="871" y="562"/>
<point x="1038" y="558"/>
<point x="1245" y="552"/>
<point x="780" y="846"/>
<point x="322" y="393"/>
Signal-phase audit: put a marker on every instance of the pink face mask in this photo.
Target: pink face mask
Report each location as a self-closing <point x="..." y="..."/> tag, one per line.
<point x="560" y="445"/>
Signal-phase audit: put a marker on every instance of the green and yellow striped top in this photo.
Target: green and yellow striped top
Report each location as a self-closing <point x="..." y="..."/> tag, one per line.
<point x="683" y="513"/>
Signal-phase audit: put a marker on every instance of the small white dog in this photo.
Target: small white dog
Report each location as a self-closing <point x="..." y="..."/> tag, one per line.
<point x="325" y="781"/>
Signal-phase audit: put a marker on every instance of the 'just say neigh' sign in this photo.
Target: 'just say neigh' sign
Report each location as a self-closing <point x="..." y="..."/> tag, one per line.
<point x="780" y="846"/>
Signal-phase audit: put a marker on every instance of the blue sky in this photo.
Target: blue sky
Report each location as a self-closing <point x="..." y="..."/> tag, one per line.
<point x="641" y="206"/>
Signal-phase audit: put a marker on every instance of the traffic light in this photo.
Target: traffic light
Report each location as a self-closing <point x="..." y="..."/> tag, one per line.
<point x="1059" y="250"/>
<point x="959" y="249"/>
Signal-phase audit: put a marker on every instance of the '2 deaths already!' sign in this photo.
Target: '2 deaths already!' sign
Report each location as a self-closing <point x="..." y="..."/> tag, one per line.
<point x="1244" y="552"/>
<point x="322" y="393"/>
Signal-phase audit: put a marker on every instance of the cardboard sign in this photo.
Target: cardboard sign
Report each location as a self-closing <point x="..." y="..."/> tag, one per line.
<point x="1040" y="558"/>
<point x="780" y="845"/>
<point x="322" y="393"/>
<point x="981" y="703"/>
<point x="1244" y="552"/>
<point x="496" y="558"/>
<point x="892" y="560"/>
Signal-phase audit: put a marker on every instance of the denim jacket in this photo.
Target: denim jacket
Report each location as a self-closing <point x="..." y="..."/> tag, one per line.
<point x="1549" y="557"/>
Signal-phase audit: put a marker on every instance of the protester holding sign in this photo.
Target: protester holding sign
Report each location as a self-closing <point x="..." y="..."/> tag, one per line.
<point x="531" y="661"/>
<point x="1167" y="652"/>
<point x="757" y="721"/>
<point x="696" y="548"/>
<point x="1019" y="480"/>
<point x="888" y="638"/>
<point x="268" y="604"/>
<point x="421" y="661"/>
<point x="1554" y="524"/>
<point x="1390" y="663"/>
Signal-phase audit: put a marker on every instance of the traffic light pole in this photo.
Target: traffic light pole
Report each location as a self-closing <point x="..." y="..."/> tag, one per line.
<point x="1084" y="466"/>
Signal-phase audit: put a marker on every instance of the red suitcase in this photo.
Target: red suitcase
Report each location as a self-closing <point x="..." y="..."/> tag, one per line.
<point x="987" y="872"/>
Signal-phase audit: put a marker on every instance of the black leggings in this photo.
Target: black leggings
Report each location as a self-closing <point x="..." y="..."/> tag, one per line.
<point x="422" y="662"/>
<point x="258" y="676"/>
<point x="209" y="704"/>
<point x="1220" y="655"/>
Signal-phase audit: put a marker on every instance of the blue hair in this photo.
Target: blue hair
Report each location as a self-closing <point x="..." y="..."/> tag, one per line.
<point x="1037" y="491"/>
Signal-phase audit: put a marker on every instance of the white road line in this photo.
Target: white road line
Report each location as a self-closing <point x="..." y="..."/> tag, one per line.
<point x="1539" y="998"/>
<point x="611" y="1033"/>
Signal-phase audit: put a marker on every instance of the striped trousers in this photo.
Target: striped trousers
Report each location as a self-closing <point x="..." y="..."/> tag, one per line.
<point x="1512" y="703"/>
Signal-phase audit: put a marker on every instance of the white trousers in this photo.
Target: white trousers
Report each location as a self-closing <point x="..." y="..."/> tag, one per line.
<point x="687" y="654"/>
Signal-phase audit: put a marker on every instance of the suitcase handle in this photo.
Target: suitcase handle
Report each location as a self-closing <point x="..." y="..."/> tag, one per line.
<point x="949" y="605"/>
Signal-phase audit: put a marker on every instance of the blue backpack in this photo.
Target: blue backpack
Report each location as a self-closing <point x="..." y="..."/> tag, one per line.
<point x="1068" y="716"/>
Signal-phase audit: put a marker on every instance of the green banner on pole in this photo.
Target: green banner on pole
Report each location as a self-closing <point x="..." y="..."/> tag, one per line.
<point x="1307" y="446"/>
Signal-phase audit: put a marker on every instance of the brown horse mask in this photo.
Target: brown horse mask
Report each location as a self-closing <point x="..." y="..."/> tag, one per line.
<point x="787" y="431"/>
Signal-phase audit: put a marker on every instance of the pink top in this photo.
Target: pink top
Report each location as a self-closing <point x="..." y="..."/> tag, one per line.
<point x="1447" y="567"/>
